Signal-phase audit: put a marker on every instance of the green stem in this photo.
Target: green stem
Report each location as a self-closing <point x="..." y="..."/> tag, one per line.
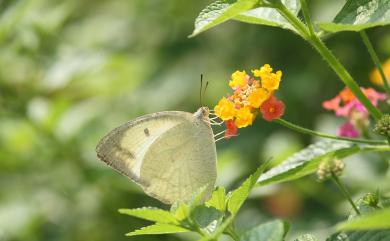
<point x="342" y="188"/>
<point x="324" y="135"/>
<point x="306" y="15"/>
<point x="375" y="59"/>
<point x="334" y="63"/>
<point x="375" y="148"/>
<point x="232" y="233"/>
<point x="293" y="20"/>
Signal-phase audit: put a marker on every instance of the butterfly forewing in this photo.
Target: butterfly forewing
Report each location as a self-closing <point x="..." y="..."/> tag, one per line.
<point x="124" y="147"/>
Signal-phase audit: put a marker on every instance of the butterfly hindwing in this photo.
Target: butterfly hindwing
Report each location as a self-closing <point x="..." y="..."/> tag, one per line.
<point x="180" y="162"/>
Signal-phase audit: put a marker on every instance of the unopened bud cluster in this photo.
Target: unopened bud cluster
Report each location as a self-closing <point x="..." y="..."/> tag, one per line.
<point x="371" y="199"/>
<point x="382" y="127"/>
<point x="329" y="167"/>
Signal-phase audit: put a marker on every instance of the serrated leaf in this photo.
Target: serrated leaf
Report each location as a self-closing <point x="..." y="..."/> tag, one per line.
<point x="378" y="235"/>
<point x="306" y="237"/>
<point x="379" y="219"/>
<point x="219" y="12"/>
<point x="238" y="196"/>
<point x="307" y="160"/>
<point x="158" y="228"/>
<point x="180" y="211"/>
<point x="218" y="199"/>
<point x="357" y="15"/>
<point x="270" y="16"/>
<point x="220" y="229"/>
<point x="151" y="214"/>
<point x="206" y="218"/>
<point x="271" y="231"/>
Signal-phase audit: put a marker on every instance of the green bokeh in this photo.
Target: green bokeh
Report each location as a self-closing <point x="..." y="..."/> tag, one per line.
<point x="72" y="70"/>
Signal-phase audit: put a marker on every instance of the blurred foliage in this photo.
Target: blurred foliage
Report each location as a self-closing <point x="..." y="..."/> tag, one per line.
<point x="70" y="71"/>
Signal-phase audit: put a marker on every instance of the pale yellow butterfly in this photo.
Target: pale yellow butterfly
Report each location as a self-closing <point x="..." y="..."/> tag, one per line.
<point x="169" y="154"/>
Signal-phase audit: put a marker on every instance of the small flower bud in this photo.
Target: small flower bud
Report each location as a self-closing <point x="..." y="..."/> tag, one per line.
<point x="382" y="127"/>
<point x="371" y="199"/>
<point x="338" y="167"/>
<point x="329" y="167"/>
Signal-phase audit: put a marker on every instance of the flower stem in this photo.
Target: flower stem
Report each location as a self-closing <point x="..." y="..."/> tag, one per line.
<point x="306" y="15"/>
<point x="375" y="59"/>
<point x="343" y="189"/>
<point x="324" y="135"/>
<point x="334" y="63"/>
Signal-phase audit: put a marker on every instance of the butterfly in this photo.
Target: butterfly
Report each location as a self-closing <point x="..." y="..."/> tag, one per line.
<point x="170" y="154"/>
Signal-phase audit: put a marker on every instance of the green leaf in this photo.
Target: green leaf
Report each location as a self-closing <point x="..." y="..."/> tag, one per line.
<point x="306" y="237"/>
<point x="270" y="16"/>
<point x="158" y="228"/>
<point x="357" y="15"/>
<point x="271" y="231"/>
<point x="375" y="220"/>
<point x="207" y="218"/>
<point x="218" y="232"/>
<point x="219" y="12"/>
<point x="307" y="160"/>
<point x="379" y="235"/>
<point x="238" y="196"/>
<point x="218" y="199"/>
<point x="151" y="214"/>
<point x="181" y="211"/>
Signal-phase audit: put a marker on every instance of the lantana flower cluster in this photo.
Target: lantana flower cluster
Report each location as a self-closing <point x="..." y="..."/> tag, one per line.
<point x="251" y="94"/>
<point x="346" y="105"/>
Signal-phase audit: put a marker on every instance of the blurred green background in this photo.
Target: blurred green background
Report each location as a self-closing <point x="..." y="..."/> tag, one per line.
<point x="70" y="71"/>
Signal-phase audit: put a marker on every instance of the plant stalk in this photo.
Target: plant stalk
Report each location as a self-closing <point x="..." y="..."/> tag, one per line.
<point x="306" y="15"/>
<point x="375" y="59"/>
<point x="324" y="135"/>
<point x="230" y="231"/>
<point x="343" y="189"/>
<point x="334" y="63"/>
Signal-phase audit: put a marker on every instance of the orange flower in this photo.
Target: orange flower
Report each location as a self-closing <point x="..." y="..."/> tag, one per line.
<point x="231" y="129"/>
<point x="375" y="76"/>
<point x="225" y="109"/>
<point x="272" y="109"/>
<point x="332" y="104"/>
<point x="346" y="95"/>
<point x="244" y="117"/>
<point x="250" y="93"/>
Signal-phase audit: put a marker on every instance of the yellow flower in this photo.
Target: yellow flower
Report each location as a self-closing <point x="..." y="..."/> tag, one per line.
<point x="265" y="70"/>
<point x="238" y="79"/>
<point x="375" y="76"/>
<point x="244" y="117"/>
<point x="225" y="109"/>
<point x="271" y="81"/>
<point x="258" y="96"/>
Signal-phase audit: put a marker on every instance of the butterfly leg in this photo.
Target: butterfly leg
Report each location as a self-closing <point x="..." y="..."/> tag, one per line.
<point x="213" y="122"/>
<point x="224" y="137"/>
<point x="220" y="133"/>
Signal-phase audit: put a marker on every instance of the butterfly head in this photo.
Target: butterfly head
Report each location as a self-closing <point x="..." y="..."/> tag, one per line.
<point x="202" y="113"/>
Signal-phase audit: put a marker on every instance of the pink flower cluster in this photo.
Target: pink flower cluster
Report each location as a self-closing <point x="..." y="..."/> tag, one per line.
<point x="346" y="105"/>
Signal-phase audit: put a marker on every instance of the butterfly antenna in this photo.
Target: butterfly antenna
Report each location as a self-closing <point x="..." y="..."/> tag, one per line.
<point x="200" y="90"/>
<point x="205" y="88"/>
